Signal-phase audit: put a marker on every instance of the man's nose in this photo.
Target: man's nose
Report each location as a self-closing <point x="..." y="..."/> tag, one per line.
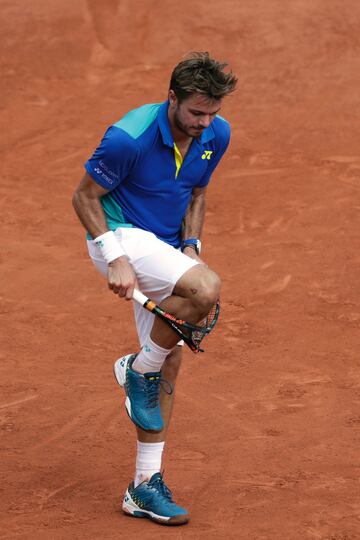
<point x="205" y="121"/>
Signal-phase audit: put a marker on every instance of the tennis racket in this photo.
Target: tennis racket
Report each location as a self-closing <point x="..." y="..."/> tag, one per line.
<point x="192" y="334"/>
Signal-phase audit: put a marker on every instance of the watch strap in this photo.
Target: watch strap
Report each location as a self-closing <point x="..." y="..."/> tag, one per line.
<point x="192" y="242"/>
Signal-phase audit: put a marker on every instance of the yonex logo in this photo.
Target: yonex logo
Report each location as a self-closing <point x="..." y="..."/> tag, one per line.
<point x="207" y="154"/>
<point x="109" y="171"/>
<point x="103" y="175"/>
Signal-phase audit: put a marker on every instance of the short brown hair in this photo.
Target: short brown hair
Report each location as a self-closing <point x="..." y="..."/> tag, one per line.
<point x="199" y="73"/>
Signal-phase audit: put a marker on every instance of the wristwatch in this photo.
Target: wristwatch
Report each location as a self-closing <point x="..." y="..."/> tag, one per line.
<point x="194" y="242"/>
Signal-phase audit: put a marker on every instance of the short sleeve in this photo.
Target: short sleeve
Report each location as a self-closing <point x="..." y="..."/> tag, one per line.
<point x="221" y="143"/>
<point x="113" y="159"/>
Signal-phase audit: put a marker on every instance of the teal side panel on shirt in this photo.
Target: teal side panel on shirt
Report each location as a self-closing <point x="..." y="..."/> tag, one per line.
<point x="138" y="120"/>
<point x="113" y="214"/>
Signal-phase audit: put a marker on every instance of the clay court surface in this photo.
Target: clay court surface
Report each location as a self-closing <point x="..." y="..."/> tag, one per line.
<point x="265" y="438"/>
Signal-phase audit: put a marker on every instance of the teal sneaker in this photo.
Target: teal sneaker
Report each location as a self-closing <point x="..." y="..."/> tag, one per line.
<point x="153" y="500"/>
<point x="142" y="394"/>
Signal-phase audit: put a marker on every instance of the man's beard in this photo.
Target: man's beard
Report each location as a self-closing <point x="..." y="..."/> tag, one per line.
<point x="181" y="127"/>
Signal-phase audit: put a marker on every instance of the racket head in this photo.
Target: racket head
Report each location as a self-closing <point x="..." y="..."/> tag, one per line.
<point x="204" y="327"/>
<point x="191" y="334"/>
<point x="212" y="317"/>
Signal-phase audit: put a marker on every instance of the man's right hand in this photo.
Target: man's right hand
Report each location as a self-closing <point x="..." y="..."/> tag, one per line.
<point x="121" y="277"/>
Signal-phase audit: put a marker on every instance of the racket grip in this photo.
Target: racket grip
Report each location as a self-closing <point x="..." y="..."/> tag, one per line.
<point x="139" y="297"/>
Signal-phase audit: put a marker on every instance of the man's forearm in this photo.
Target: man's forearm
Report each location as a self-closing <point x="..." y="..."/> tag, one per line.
<point x="194" y="218"/>
<point x="92" y="216"/>
<point x="90" y="213"/>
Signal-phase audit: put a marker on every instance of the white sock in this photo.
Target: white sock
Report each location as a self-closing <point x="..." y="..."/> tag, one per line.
<point x="150" y="358"/>
<point x="148" y="460"/>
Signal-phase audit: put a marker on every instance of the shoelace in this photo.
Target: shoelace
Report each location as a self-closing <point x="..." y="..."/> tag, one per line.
<point x="162" y="488"/>
<point x="152" y="385"/>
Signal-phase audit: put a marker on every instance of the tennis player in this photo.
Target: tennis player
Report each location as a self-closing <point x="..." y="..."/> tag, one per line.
<point x="142" y="202"/>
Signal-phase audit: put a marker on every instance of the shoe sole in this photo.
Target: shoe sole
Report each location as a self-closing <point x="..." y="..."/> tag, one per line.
<point x="130" y="508"/>
<point x="120" y="376"/>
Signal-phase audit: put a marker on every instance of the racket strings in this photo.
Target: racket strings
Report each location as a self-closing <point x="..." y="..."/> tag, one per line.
<point x="211" y="318"/>
<point x="213" y="315"/>
<point x="206" y="324"/>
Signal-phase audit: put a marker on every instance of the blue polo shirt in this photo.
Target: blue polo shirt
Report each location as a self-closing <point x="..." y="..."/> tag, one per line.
<point x="138" y="163"/>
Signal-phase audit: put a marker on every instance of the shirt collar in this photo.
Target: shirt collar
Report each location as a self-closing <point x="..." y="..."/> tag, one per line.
<point x="165" y="130"/>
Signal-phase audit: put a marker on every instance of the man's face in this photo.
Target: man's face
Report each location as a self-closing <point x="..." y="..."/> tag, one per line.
<point x="194" y="114"/>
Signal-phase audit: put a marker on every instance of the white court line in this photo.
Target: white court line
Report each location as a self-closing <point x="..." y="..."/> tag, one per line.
<point x="17" y="402"/>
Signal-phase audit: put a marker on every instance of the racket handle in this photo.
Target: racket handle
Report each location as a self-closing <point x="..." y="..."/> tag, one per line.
<point x="139" y="297"/>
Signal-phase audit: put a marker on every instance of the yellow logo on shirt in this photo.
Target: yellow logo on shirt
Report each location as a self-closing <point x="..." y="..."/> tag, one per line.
<point x="207" y="154"/>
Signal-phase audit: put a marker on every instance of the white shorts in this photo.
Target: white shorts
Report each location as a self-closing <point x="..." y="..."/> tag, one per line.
<point x="157" y="266"/>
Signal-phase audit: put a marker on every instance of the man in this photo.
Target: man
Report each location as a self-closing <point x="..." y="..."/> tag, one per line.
<point x="142" y="201"/>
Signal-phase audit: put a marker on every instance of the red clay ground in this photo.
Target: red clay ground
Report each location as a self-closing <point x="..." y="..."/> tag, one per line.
<point x="266" y="433"/>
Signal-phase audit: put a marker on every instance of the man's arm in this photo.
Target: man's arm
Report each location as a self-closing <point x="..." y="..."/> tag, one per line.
<point x="194" y="219"/>
<point x="86" y="201"/>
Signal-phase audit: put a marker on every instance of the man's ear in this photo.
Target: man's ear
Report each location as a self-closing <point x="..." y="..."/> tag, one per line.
<point x="172" y="97"/>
